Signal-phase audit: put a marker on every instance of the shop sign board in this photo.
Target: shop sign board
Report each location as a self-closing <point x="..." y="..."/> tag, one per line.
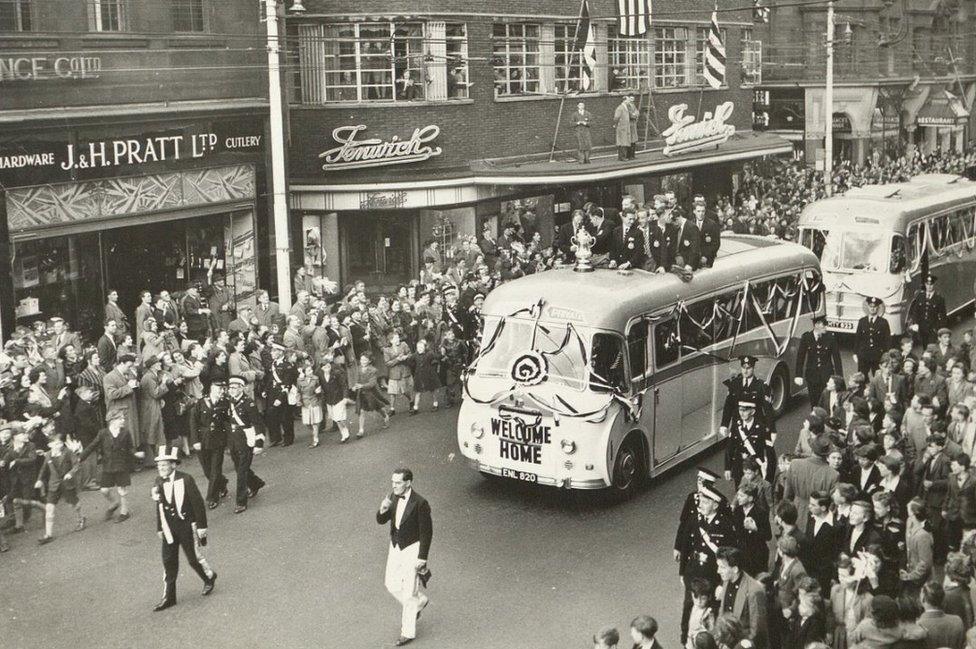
<point x="383" y="200"/>
<point x="374" y="152"/>
<point x="686" y="135"/>
<point x="30" y="162"/>
<point x="48" y="67"/>
<point x="937" y="120"/>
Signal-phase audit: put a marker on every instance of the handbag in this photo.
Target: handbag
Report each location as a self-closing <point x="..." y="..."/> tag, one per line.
<point x="185" y="403"/>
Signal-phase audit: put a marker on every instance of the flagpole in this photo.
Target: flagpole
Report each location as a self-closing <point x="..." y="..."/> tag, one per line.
<point x="559" y="119"/>
<point x="569" y="72"/>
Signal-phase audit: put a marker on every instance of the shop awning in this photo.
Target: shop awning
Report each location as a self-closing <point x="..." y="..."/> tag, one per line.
<point x="943" y="109"/>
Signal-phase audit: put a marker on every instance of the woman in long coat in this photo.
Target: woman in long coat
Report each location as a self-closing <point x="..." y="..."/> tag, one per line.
<point x="622" y="132"/>
<point x="152" y="388"/>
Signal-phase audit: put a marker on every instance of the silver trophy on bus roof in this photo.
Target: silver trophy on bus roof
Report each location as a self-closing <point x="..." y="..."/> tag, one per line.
<point x="584" y="254"/>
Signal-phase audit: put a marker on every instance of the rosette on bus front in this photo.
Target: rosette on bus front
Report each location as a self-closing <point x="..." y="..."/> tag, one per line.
<point x="529" y="368"/>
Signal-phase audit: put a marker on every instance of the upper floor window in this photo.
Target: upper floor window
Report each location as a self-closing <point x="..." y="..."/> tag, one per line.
<point x="456" y="47"/>
<point x="188" y="16"/>
<point x="701" y="45"/>
<point x="381" y="62"/>
<point x="670" y="57"/>
<point x="751" y="59"/>
<point x="569" y="62"/>
<point x="106" y="15"/>
<point x="628" y="60"/>
<point x="15" y="15"/>
<point x="515" y="57"/>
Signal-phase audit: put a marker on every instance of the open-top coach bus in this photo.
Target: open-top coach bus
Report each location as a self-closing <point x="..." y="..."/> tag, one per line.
<point x="871" y="240"/>
<point x="588" y="380"/>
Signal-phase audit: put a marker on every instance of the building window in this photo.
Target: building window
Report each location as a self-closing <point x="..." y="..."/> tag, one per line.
<point x="515" y="58"/>
<point x="106" y="15"/>
<point x="629" y="59"/>
<point x="569" y="62"/>
<point x="188" y="16"/>
<point x="701" y="45"/>
<point x="15" y="16"/>
<point x="456" y="37"/>
<point x="751" y="59"/>
<point x="670" y="57"/>
<point x="362" y="62"/>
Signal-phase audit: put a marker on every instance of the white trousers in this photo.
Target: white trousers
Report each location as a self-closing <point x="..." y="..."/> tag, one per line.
<point x="402" y="582"/>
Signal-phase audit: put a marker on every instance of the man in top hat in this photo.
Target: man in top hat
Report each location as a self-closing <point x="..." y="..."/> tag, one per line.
<point x="710" y="232"/>
<point x="817" y="359"/>
<point x="872" y="338"/>
<point x="243" y="440"/>
<point x="927" y="312"/>
<point x="181" y="521"/>
<point x="749" y="437"/>
<point x="712" y="529"/>
<point x="747" y="386"/>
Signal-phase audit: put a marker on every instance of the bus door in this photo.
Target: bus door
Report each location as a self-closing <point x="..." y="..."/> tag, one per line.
<point x="698" y="375"/>
<point x="664" y="396"/>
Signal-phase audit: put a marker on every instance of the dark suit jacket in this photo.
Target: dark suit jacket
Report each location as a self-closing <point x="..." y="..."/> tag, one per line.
<point x="686" y="242"/>
<point x="754" y="544"/>
<point x="629" y="249"/>
<point x="416" y="525"/>
<point x="822" y="552"/>
<point x="107" y="353"/>
<point x="800" y="633"/>
<point x="710" y="238"/>
<point x="603" y="236"/>
<point x="661" y="246"/>
<point x="872" y="485"/>
<point x="868" y="537"/>
<point x="818" y="365"/>
<point x="937" y="471"/>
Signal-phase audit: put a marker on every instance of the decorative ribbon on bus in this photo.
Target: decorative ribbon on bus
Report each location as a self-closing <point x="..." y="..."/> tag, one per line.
<point x="529" y="370"/>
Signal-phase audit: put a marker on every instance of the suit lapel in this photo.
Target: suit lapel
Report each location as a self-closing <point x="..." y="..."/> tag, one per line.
<point x="407" y="508"/>
<point x="179" y="490"/>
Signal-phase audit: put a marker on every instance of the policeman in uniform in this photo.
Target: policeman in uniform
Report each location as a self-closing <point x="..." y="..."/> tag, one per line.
<point x="927" y="312"/>
<point x="817" y="359"/>
<point x="713" y="529"/>
<point x="244" y="441"/>
<point x="747" y="386"/>
<point x="181" y="522"/>
<point x="872" y="339"/>
<point x="709" y="231"/>
<point x="212" y="423"/>
<point x="690" y="515"/>
<point x="749" y="437"/>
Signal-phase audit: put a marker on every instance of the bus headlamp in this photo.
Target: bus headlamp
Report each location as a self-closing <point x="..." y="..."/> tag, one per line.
<point x="477" y="430"/>
<point x="568" y="446"/>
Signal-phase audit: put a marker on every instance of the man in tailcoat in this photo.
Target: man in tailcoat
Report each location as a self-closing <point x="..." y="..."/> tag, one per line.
<point x="411" y="531"/>
<point x="181" y="522"/>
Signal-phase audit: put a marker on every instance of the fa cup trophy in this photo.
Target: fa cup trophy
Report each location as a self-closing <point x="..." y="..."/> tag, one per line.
<point x="584" y="253"/>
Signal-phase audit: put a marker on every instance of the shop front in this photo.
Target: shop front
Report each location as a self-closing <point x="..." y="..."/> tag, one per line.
<point x="941" y="123"/>
<point x="167" y="206"/>
<point x="359" y="225"/>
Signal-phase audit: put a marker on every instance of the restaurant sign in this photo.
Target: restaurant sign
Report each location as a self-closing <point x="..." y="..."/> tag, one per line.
<point x="686" y="135"/>
<point x="374" y="152"/>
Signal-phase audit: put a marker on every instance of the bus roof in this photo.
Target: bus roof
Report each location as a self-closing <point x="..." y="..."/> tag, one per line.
<point x="607" y="299"/>
<point x="893" y="205"/>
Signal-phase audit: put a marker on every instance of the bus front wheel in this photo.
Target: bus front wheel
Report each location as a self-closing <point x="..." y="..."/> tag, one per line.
<point x="627" y="469"/>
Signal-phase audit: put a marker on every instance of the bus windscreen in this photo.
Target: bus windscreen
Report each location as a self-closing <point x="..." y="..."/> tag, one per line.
<point x="863" y="250"/>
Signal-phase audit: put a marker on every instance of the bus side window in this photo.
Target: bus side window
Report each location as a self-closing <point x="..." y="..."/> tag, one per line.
<point x="667" y="346"/>
<point x="637" y="351"/>
<point x="911" y="245"/>
<point x="693" y="336"/>
<point x="898" y="254"/>
<point x="607" y="364"/>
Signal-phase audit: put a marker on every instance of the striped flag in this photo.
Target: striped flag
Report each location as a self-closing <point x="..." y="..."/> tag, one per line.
<point x="585" y="44"/>
<point x="714" y="71"/>
<point x="635" y="17"/>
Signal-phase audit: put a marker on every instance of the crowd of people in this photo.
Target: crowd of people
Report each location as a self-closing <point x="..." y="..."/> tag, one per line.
<point x="892" y="505"/>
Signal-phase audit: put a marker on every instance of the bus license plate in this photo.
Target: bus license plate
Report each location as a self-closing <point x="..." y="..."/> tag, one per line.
<point x="520" y="475"/>
<point x="844" y="325"/>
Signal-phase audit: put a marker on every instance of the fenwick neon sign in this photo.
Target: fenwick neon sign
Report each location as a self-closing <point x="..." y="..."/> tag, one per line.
<point x="685" y="135"/>
<point x="374" y="152"/>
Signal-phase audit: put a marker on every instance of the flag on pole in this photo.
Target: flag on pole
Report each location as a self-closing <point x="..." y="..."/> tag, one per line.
<point x="585" y="44"/>
<point x="635" y="17"/>
<point x="714" y="70"/>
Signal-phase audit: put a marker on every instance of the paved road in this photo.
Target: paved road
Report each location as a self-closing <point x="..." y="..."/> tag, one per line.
<point x="514" y="565"/>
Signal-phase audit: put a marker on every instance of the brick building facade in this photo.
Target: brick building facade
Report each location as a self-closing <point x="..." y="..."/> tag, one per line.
<point x="495" y="84"/>
<point x="904" y="76"/>
<point x="131" y="152"/>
